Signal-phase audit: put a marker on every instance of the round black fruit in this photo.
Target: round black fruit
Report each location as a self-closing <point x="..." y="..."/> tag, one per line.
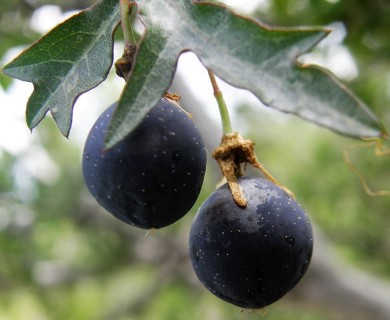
<point x="250" y="256"/>
<point x="152" y="177"/>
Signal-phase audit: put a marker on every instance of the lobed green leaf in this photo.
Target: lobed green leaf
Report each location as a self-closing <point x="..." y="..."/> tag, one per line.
<point x="77" y="55"/>
<point x="245" y="53"/>
<point x="71" y="59"/>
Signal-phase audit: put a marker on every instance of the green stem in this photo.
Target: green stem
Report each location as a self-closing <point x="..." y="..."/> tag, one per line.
<point x="223" y="110"/>
<point x="127" y="29"/>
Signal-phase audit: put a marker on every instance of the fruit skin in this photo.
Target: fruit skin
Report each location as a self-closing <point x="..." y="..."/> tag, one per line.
<point x="250" y="256"/>
<point x="153" y="177"/>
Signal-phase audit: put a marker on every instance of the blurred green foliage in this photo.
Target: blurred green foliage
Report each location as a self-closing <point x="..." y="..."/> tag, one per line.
<point x="63" y="257"/>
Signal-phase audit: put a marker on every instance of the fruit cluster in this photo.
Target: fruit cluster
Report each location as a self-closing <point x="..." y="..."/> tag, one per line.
<point x="249" y="255"/>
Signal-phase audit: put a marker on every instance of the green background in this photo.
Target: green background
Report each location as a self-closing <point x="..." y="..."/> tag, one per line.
<point x="63" y="257"/>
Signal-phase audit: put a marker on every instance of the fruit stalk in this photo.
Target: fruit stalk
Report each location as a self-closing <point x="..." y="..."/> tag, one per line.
<point x="124" y="65"/>
<point x="224" y="154"/>
<point x="223" y="110"/>
<point x="126" y="8"/>
<point x="235" y="151"/>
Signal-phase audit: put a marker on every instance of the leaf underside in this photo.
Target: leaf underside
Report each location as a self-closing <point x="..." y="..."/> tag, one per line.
<point x="71" y="59"/>
<point x="244" y="53"/>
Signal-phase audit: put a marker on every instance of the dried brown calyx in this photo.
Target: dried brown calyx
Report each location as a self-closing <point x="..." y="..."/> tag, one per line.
<point x="124" y="65"/>
<point x="172" y="96"/>
<point x="232" y="155"/>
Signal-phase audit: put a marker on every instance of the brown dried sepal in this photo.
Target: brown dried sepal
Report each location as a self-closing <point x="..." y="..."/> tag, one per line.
<point x="124" y="64"/>
<point x="233" y="153"/>
<point x="172" y="96"/>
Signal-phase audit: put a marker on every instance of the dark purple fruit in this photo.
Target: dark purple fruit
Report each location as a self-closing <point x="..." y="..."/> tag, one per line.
<point x="251" y="256"/>
<point x="153" y="177"/>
